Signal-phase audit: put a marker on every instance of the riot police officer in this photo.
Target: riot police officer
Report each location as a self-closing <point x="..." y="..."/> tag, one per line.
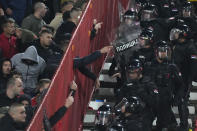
<point x="187" y="9"/>
<point x="189" y="18"/>
<point x="130" y="27"/>
<point x="170" y="86"/>
<point x="124" y="46"/>
<point x="140" y="86"/>
<point x="146" y="52"/>
<point x="133" y="114"/>
<point x="128" y="33"/>
<point x="185" y="57"/>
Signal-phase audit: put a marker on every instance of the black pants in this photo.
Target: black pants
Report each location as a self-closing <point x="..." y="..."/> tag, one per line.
<point x="183" y="114"/>
<point x="165" y="115"/>
<point x="183" y="108"/>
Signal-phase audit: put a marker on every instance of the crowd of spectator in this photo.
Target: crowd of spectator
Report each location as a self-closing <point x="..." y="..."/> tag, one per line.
<point x="34" y="35"/>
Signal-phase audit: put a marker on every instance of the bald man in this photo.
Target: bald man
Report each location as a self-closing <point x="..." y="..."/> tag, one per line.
<point x="35" y="21"/>
<point x="16" y="114"/>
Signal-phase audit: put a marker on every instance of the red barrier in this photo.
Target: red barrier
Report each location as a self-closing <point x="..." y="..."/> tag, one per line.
<point x="107" y="12"/>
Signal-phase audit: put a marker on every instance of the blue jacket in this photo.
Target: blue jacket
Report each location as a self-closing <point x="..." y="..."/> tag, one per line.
<point x="16" y="4"/>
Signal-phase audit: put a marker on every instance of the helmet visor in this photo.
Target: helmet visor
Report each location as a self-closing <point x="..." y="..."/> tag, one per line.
<point x="147" y="15"/>
<point x="129" y="20"/>
<point x="187" y="12"/>
<point x="164" y="53"/>
<point x="174" y="34"/>
<point x="103" y="117"/>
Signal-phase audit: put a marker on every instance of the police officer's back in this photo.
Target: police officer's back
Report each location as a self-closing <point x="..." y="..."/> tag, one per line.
<point x="146" y="52"/>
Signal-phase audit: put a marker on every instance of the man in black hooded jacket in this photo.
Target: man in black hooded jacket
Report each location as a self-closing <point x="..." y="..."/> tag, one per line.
<point x="5" y="70"/>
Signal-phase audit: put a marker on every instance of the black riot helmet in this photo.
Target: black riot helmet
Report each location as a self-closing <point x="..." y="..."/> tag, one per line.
<point x="103" y="117"/>
<point x="146" y="37"/>
<point x="174" y="10"/>
<point x="130" y="16"/>
<point x="163" y="50"/>
<point x="187" y="9"/>
<point x="180" y="31"/>
<point x="149" y="12"/>
<point x="133" y="71"/>
<point x="133" y="105"/>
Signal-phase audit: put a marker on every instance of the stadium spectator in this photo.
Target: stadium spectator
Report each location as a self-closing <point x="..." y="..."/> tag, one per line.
<point x="41" y="89"/>
<point x="49" y="123"/>
<point x="16" y="9"/>
<point x="45" y="45"/>
<point x="16" y="74"/>
<point x="7" y="40"/>
<point x="71" y="23"/>
<point x="9" y="96"/>
<point x="62" y="1"/>
<point x="63" y="41"/>
<point x="58" y="20"/>
<point x="35" y="21"/>
<point x="61" y="111"/>
<point x="81" y="4"/>
<point x="30" y="65"/>
<point x="16" y="114"/>
<point x="2" y="19"/>
<point x="1" y="12"/>
<point x="47" y="27"/>
<point x="24" y="37"/>
<point x="26" y="101"/>
<point x="79" y="63"/>
<point x="5" y="73"/>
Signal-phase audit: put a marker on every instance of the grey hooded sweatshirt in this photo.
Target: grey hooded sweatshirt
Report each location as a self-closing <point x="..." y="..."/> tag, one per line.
<point x="29" y="73"/>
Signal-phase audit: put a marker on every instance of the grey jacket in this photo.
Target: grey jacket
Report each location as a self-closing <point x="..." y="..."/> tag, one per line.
<point x="33" y="24"/>
<point x="30" y="73"/>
